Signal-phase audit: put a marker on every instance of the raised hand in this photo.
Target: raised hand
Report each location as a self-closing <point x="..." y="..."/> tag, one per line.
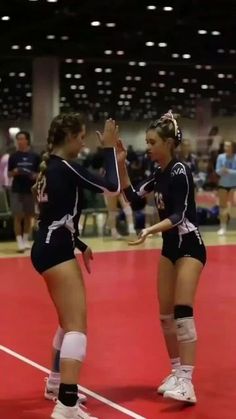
<point x="110" y="134"/>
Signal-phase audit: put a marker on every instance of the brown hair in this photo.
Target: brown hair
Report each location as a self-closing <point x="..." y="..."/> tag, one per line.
<point x="167" y="127"/>
<point x="60" y="127"/>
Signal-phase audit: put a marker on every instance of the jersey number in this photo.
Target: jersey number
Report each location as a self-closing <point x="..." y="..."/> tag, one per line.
<point x="159" y="201"/>
<point x="42" y="196"/>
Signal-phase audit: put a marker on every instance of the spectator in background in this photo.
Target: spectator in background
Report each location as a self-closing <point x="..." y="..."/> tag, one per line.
<point x="23" y="166"/>
<point x="226" y="170"/>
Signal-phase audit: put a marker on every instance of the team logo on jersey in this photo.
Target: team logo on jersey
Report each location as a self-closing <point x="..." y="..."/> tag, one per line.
<point x="159" y="201"/>
<point x="179" y="171"/>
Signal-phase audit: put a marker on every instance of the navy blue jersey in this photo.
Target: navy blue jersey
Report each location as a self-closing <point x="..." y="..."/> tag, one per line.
<point x="27" y="163"/>
<point x="60" y="191"/>
<point x="174" y="196"/>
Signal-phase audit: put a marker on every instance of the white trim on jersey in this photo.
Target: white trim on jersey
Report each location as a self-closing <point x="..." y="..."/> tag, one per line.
<point x="142" y="192"/>
<point x="105" y="190"/>
<point x="184" y="225"/>
<point x="66" y="221"/>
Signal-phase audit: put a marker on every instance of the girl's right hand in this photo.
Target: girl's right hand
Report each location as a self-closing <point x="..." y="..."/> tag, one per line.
<point x="110" y="134"/>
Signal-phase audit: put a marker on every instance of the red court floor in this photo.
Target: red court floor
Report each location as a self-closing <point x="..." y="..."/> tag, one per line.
<point x="126" y="355"/>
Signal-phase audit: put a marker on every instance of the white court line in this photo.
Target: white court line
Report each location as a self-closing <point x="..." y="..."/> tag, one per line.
<point x="83" y="389"/>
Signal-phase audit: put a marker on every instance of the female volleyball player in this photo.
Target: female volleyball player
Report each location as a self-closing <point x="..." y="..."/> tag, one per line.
<point x="183" y="252"/>
<point x="59" y="191"/>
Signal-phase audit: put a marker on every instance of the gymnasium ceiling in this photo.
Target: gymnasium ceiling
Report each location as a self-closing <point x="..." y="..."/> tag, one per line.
<point x="129" y="58"/>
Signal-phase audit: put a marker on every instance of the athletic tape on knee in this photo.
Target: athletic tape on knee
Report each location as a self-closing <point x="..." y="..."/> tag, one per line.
<point x="186" y="330"/>
<point x="168" y="324"/>
<point x="58" y="338"/>
<point x="74" y="346"/>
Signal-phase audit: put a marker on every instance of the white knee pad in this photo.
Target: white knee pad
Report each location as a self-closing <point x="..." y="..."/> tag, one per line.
<point x="58" y="338"/>
<point x="168" y="324"/>
<point x="74" y="346"/>
<point x="186" y="330"/>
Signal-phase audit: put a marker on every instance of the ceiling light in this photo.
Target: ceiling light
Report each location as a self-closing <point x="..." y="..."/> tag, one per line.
<point x="77" y="76"/>
<point x="22" y="74"/>
<point x="181" y="90"/>
<point x="175" y="55"/>
<point x="128" y="78"/>
<point x="174" y="90"/>
<point x="215" y="32"/>
<point x="98" y="70"/>
<point x="73" y="87"/>
<point x="110" y="24"/>
<point x="150" y="44"/>
<point x="132" y="62"/>
<point x="202" y="31"/>
<point x="12" y="74"/>
<point x="229" y="76"/>
<point x="204" y="86"/>
<point x="68" y="76"/>
<point x="142" y="63"/>
<point x="29" y="94"/>
<point x="162" y="72"/>
<point x="5" y="18"/>
<point x="108" y="70"/>
<point x="68" y="60"/>
<point x="81" y="87"/>
<point x="51" y="37"/>
<point x="221" y="51"/>
<point x="232" y="51"/>
<point x="162" y="44"/>
<point x="137" y="78"/>
<point x="198" y="66"/>
<point x="185" y="80"/>
<point x="52" y="1"/>
<point x="95" y="23"/>
<point x="167" y="8"/>
<point x="120" y="52"/>
<point x="186" y="56"/>
<point x="80" y="61"/>
<point x="161" y="85"/>
<point x="15" y="47"/>
<point x="64" y="37"/>
<point x="208" y="67"/>
<point x="221" y="76"/>
<point x="28" y="47"/>
<point x="151" y="7"/>
<point x="108" y="52"/>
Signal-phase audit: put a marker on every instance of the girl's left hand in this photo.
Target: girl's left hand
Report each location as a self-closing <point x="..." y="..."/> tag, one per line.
<point x="141" y="238"/>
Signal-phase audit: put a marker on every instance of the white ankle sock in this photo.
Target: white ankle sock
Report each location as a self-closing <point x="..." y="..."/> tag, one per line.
<point x="185" y="371"/>
<point x="54" y="377"/>
<point x="175" y="363"/>
<point x="20" y="242"/>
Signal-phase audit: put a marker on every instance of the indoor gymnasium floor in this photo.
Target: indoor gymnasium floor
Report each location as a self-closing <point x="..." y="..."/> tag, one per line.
<point x="126" y="355"/>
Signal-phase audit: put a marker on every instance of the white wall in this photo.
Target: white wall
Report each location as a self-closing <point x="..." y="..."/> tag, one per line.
<point x="134" y="132"/>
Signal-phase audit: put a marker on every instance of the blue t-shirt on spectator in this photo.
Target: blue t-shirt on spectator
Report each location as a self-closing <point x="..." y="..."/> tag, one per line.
<point x="27" y="162"/>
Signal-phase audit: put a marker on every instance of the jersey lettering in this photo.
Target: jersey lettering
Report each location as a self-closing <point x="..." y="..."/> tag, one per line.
<point x="42" y="196"/>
